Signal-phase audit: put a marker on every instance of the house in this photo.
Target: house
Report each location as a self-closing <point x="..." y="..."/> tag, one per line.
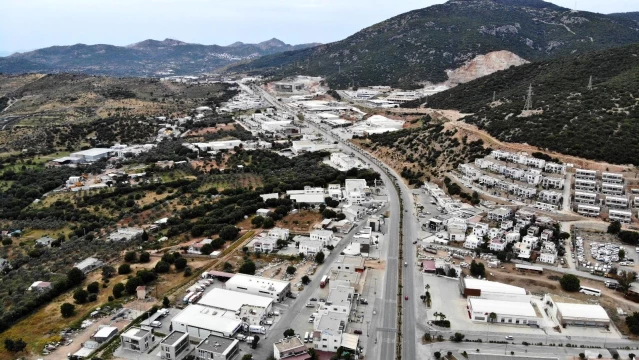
<point x="44" y="241"/>
<point x="552" y="182"/>
<point x="89" y="264"/>
<point x="480" y="230"/>
<point x="354" y="212"/>
<point x="279" y="233"/>
<point x="532" y="177"/>
<point x="262" y="212"/>
<point x="125" y="234"/>
<point x="512" y="236"/>
<point x="290" y="347"/>
<point x="530" y="241"/>
<point x="472" y="242"/>
<point x="136" y="339"/>
<point x="324" y="236"/>
<point x="197" y="247"/>
<point x="500" y="214"/>
<point x="533" y="230"/>
<point x="524" y="216"/>
<point x="555" y="168"/>
<point x="506" y="225"/>
<point x="497" y="244"/>
<point x="217" y="348"/>
<point x="264" y="244"/>
<point x="141" y="292"/>
<point x="585" y="185"/>
<point x="548" y="196"/>
<point x="548" y="253"/>
<point x="457" y="234"/>
<point x="546" y="235"/>
<point x="176" y="346"/>
<point x="311" y="247"/>
<point x="40" y="286"/>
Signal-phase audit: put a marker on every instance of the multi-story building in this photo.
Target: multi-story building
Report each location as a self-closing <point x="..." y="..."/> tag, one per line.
<point x="533" y="161"/>
<point x="525" y="216"/>
<point x="617" y="202"/>
<point x="588" y="210"/>
<point x="480" y="229"/>
<point x="472" y="242"/>
<point x="513" y="173"/>
<point x="532" y="177"/>
<point x="584" y="174"/>
<point x="217" y="348"/>
<point x="585" y="185"/>
<point x="584" y="197"/>
<point x="613" y="178"/>
<point x="136" y="339"/>
<point x="339" y="300"/>
<point x="310" y="247"/>
<point x="546" y="235"/>
<point x="548" y="253"/>
<point x="500" y="154"/>
<point x="623" y="216"/>
<point x="497" y="244"/>
<point x="500" y="214"/>
<point x="523" y="191"/>
<point x="551" y="197"/>
<point x="325" y="236"/>
<point x="555" y="168"/>
<point x="290" y="347"/>
<point x="552" y="182"/>
<point x="469" y="171"/>
<point x="176" y="346"/>
<point x="612" y="189"/>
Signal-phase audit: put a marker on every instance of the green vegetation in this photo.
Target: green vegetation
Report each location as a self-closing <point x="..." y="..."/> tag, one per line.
<point x="569" y="283"/>
<point x="598" y="124"/>
<point x="410" y="48"/>
<point x="633" y="323"/>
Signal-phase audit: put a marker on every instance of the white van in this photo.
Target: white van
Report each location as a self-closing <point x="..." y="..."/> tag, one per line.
<point x="306" y="336"/>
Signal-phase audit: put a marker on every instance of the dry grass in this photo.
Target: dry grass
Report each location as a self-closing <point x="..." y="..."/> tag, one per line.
<point x="303" y="221"/>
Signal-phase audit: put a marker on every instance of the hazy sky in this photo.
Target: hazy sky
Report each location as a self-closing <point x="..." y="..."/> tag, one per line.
<point x="31" y="24"/>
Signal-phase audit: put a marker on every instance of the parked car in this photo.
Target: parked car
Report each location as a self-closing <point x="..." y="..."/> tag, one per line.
<point x="313" y="299"/>
<point x="406" y="297"/>
<point x="363" y="301"/>
<point x="357" y="332"/>
<point x="310" y="305"/>
<point x="509" y="337"/>
<point x="156" y="324"/>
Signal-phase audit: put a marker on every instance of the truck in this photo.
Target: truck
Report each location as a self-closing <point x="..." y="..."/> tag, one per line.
<point x="257" y="329"/>
<point x="187" y="298"/>
<point x="324" y="281"/>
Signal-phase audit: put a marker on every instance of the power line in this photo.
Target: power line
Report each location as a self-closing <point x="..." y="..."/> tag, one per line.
<point x="590" y="83"/>
<point x="528" y="105"/>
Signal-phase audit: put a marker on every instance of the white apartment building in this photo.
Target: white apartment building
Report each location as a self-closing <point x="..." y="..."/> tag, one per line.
<point x="500" y="154"/>
<point x="480" y="229"/>
<point x="469" y="171"/>
<point x="618" y="202"/>
<point x="552" y="182"/>
<point x="500" y="214"/>
<point x="512" y="236"/>
<point x="612" y="189"/>
<point x="584" y="174"/>
<point x="613" y="178"/>
<point x="533" y="161"/>
<point x="472" y="242"/>
<point x="488" y="180"/>
<point x="497" y="244"/>
<point x="555" y="168"/>
<point x="513" y="173"/>
<point x="522" y="191"/>
<point x="551" y="197"/>
<point x="524" y="215"/>
<point x="279" y="233"/>
<point x="588" y="210"/>
<point x="623" y="216"/>
<point x="548" y="253"/>
<point x="583" y="197"/>
<point x="136" y="339"/>
<point x="585" y="185"/>
<point x="324" y="236"/>
<point x="264" y="244"/>
<point x="310" y="247"/>
<point x="335" y="191"/>
<point x="531" y="177"/>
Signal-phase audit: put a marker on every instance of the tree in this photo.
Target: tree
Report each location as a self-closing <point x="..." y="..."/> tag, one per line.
<point x="206" y="249"/>
<point x="319" y="257"/>
<point x="80" y="296"/>
<point x="93" y="288"/>
<point x="108" y="271"/>
<point x="622" y="254"/>
<point x="268" y="223"/>
<point x="289" y="332"/>
<point x="328" y="214"/>
<point x="614" y="227"/>
<point x="92" y="297"/>
<point x="248" y="267"/>
<point x="257" y="221"/>
<point x="564" y="236"/>
<point x="124" y="269"/>
<point x="118" y="289"/>
<point x="227" y="267"/>
<point x="229" y="232"/>
<point x="625" y="280"/>
<point x="458" y="337"/>
<point x="256" y="339"/>
<point x="437" y="355"/>
<point x="247" y="357"/>
<point x="162" y="267"/>
<point x="166" y="302"/>
<point x="130" y="257"/>
<point x="569" y="282"/>
<point x="477" y="269"/>
<point x="492" y="316"/>
<point x="180" y="263"/>
<point x="306" y="280"/>
<point x="132" y="285"/>
<point x="67" y="310"/>
<point x="145" y="257"/>
<point x="452" y="273"/>
<point x="291" y="270"/>
<point x="145" y="236"/>
<point x="75" y="276"/>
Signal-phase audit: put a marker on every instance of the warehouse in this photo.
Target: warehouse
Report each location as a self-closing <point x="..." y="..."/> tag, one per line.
<point x="275" y="289"/>
<point x="201" y="321"/>
<point x="581" y="315"/>
<point x="254" y="309"/>
<point x="91" y="155"/>
<point x="490" y="289"/>
<point x="505" y="312"/>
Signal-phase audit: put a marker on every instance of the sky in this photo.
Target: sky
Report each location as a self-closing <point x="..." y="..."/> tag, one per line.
<point x="31" y="24"/>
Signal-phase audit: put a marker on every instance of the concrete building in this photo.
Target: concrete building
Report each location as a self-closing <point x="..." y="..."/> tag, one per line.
<point x="585" y="174"/>
<point x="548" y="253"/>
<point x="497" y="244"/>
<point x="612" y="189"/>
<point x="303" y="146"/>
<point x="552" y="182"/>
<point x="275" y="289"/>
<point x="549" y="196"/>
<point x="470" y="287"/>
<point x="91" y="155"/>
<point x="585" y="185"/>
<point x="136" y="339"/>
<point x="480" y="229"/>
<point x="500" y="214"/>
<point x="176" y="346"/>
<point x="472" y="242"/>
<point x="328" y="331"/>
<point x="505" y="312"/>
<point x="349" y="263"/>
<point x="309" y="195"/>
<point x="325" y="236"/>
<point x="588" y="210"/>
<point x="622" y="216"/>
<point x="89" y="264"/>
<point x="613" y="178"/>
<point x="290" y="348"/>
<point x="576" y="314"/>
<point x="617" y="202"/>
<point x="555" y="168"/>
<point x="125" y="234"/>
<point x="105" y="334"/>
<point x="252" y="309"/>
<point x="217" y="348"/>
<point x="311" y="247"/>
<point x="200" y="321"/>
<point x="587" y="198"/>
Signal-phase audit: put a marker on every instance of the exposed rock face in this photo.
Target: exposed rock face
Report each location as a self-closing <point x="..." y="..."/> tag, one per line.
<point x="483" y="65"/>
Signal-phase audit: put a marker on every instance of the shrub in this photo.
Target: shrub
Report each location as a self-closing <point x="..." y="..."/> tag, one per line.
<point x="67" y="310"/>
<point x="80" y="296"/>
<point x="145" y="257"/>
<point x="319" y="257"/>
<point x="93" y="287"/>
<point x="291" y="270"/>
<point x="162" y="267"/>
<point x="130" y="256"/>
<point x="180" y="263"/>
<point x="124" y="269"/>
<point x="118" y="289"/>
<point x="570" y="283"/>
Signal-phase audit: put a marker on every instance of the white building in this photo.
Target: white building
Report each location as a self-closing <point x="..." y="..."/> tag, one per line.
<point x="552" y="182"/>
<point x="278" y="233"/>
<point x="480" y="229"/>
<point x="252" y="309"/>
<point x="329" y="328"/>
<point x="339" y="300"/>
<point x="506" y="312"/>
<point x="201" y="321"/>
<point x="588" y="210"/>
<point x="585" y="185"/>
<point x="472" y="242"/>
<point x="622" y="216"/>
<point x="302" y="146"/>
<point x="586" y="174"/>
<point x="324" y="236"/>
<point x="175" y="346"/>
<point x="497" y="244"/>
<point x="291" y="347"/>
<point x="612" y="189"/>
<point x="500" y="214"/>
<point x="91" y="155"/>
<point x="548" y="253"/>
<point x="136" y="339"/>
<point x="217" y="348"/>
<point x="555" y="168"/>
<point x="549" y="196"/>
<point x="125" y="234"/>
<point x="309" y="195"/>
<point x="613" y="178"/>
<point x="618" y="202"/>
<point x="275" y="289"/>
<point x="587" y="198"/>
<point x="311" y="247"/>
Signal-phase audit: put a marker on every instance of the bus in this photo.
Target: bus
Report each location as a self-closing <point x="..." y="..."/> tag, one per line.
<point x="324" y="281"/>
<point x="589" y="291"/>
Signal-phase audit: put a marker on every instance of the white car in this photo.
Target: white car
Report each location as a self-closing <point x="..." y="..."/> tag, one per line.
<point x="156" y="324"/>
<point x="509" y="337"/>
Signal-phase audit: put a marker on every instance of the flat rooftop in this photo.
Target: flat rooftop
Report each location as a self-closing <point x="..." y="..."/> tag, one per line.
<point x="582" y="311"/>
<point x="257" y="282"/>
<point x="288" y="343"/>
<point x="331" y="321"/>
<point x="92" y="152"/>
<point x="357" y="261"/>
<point x="136" y="333"/>
<point x="204" y="317"/>
<point x="493" y="287"/>
<point x="233" y="300"/>
<point x="340" y="295"/>
<point x="173" y="337"/>
<point x="512" y="308"/>
<point x="217" y="344"/>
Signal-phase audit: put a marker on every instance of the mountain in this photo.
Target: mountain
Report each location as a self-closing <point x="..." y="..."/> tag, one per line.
<point x="599" y="122"/>
<point x="628" y="15"/>
<point x="419" y="46"/>
<point x="145" y="58"/>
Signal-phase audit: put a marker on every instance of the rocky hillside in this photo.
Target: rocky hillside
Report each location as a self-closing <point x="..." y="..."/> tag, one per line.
<point x="600" y="122"/>
<point x="419" y="46"/>
<point x="146" y="58"/>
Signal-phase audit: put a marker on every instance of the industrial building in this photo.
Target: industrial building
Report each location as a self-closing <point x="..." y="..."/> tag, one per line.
<point x="217" y="348"/>
<point x="488" y="289"/>
<point x="91" y="155"/>
<point x="275" y="289"/>
<point x="201" y="321"/>
<point x="505" y="312"/>
<point x="566" y="314"/>
<point x="251" y="308"/>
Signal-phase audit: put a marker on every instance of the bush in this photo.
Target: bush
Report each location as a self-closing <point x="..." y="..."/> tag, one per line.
<point x="92" y="297"/>
<point x="162" y="267"/>
<point x="180" y="264"/>
<point x="570" y="283"/>
<point x="614" y="227"/>
<point x="306" y="280"/>
<point x="248" y="267"/>
<point x="130" y="257"/>
<point x="80" y="296"/>
<point x="145" y="257"/>
<point x="93" y="287"/>
<point x="67" y="310"/>
<point x="458" y="337"/>
<point x="124" y="269"/>
<point x="442" y="323"/>
<point x="319" y="257"/>
<point x="75" y="276"/>
<point x="118" y="289"/>
<point x="289" y="332"/>
<point x="291" y="270"/>
<point x="633" y="322"/>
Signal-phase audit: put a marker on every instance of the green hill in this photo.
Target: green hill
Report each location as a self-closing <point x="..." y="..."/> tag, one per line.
<point x="420" y="45"/>
<point x="601" y="123"/>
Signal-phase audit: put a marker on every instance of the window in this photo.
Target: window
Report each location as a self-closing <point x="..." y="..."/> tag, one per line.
<point x="243" y="288"/>
<point x="325" y="346"/>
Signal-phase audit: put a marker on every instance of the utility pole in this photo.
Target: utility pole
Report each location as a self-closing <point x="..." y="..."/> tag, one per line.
<point x="494" y="96"/>
<point x="590" y="83"/>
<point x="528" y="105"/>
